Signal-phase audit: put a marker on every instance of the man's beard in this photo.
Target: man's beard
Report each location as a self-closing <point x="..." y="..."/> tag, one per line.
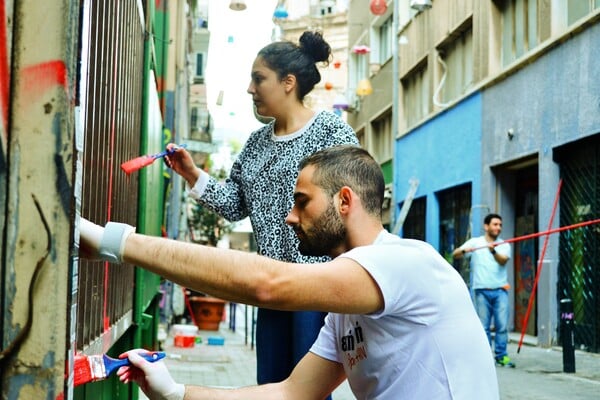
<point x="327" y="235"/>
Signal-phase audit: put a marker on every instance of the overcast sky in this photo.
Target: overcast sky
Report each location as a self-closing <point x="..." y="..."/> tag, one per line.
<point x="236" y="37"/>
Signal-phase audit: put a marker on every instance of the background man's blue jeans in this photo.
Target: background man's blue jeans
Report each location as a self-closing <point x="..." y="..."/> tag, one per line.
<point x="493" y="304"/>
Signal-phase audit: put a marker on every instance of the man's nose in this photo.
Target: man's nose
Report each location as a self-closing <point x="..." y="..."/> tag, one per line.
<point x="291" y="218"/>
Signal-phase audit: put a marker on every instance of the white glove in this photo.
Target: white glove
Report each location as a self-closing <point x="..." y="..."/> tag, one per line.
<point x="90" y="236"/>
<point x="106" y="243"/>
<point x="153" y="378"/>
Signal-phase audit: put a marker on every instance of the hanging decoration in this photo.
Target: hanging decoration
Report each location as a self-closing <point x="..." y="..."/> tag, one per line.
<point x="237" y="5"/>
<point x="337" y="64"/>
<point x="361" y="49"/>
<point x="280" y="12"/>
<point x="378" y="7"/>
<point x="364" y="88"/>
<point x="328" y="85"/>
<point x="340" y="102"/>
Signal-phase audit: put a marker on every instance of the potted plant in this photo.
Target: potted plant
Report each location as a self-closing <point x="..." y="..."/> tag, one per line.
<point x="208" y="312"/>
<point x="205" y="226"/>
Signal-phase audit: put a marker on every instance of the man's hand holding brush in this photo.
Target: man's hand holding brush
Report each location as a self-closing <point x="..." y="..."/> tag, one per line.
<point x="152" y="377"/>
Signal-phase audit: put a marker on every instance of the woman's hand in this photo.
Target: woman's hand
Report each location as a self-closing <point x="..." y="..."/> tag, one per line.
<point x="181" y="161"/>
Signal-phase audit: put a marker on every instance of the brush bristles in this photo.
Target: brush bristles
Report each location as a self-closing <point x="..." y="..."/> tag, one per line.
<point x="82" y="370"/>
<point x="97" y="366"/>
<point x="137" y="163"/>
<point x="88" y="369"/>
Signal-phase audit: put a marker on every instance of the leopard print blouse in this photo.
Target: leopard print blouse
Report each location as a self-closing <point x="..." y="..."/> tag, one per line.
<point x="262" y="180"/>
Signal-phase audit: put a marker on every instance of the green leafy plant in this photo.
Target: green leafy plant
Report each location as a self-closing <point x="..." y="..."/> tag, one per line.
<point x="206" y="226"/>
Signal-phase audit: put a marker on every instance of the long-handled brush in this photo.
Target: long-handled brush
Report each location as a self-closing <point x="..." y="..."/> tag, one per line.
<point x="97" y="367"/>
<point x="143" y="161"/>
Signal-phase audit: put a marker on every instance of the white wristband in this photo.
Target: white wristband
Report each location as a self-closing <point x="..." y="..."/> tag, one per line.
<point x="113" y="241"/>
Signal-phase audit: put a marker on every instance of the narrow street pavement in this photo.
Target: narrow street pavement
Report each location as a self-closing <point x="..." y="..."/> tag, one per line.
<point x="539" y="375"/>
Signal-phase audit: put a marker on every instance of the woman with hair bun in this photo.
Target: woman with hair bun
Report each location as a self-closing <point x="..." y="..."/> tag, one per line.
<point x="262" y="179"/>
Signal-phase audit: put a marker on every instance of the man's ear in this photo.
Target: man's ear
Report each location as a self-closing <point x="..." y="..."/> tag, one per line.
<point x="345" y="196"/>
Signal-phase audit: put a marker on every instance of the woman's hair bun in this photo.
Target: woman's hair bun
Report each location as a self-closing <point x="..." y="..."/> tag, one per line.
<point x="313" y="44"/>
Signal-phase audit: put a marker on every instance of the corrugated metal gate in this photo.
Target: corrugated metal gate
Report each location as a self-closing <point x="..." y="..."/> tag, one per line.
<point x="112" y="91"/>
<point x="579" y="266"/>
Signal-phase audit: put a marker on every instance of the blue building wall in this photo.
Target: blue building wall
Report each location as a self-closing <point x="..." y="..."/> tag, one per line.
<point x="442" y="153"/>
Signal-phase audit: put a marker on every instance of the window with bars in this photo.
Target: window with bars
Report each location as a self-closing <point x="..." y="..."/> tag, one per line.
<point x="382" y="42"/>
<point x="577" y="9"/>
<point x="519" y="28"/>
<point x="199" y="69"/>
<point x="358" y="68"/>
<point x="382" y="138"/>
<point x="455" y="215"/>
<point x="456" y="61"/>
<point x="414" y="224"/>
<point x="416" y="94"/>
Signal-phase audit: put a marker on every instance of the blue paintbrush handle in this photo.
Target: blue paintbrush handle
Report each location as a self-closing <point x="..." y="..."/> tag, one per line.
<point x="164" y="153"/>
<point x="112" y="364"/>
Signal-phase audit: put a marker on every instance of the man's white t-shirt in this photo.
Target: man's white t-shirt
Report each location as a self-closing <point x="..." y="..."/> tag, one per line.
<point x="427" y="342"/>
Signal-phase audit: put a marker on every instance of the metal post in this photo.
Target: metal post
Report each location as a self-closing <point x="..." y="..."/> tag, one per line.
<point x="566" y="335"/>
<point x="395" y="102"/>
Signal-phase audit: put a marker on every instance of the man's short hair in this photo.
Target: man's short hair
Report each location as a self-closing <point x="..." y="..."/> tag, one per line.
<point x="488" y="218"/>
<point x="352" y="166"/>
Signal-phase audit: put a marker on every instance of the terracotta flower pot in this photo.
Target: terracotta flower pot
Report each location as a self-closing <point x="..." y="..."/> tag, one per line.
<point x="208" y="312"/>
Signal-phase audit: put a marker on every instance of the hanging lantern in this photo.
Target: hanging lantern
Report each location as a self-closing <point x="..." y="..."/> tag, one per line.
<point x="328" y="85"/>
<point x="340" y="102"/>
<point x="378" y="7"/>
<point x="361" y="49"/>
<point x="237" y="5"/>
<point x="337" y="64"/>
<point x="280" y="12"/>
<point x="420" y="5"/>
<point x="364" y="88"/>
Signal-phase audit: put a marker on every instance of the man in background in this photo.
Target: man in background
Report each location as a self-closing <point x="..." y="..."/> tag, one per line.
<point x="489" y="281"/>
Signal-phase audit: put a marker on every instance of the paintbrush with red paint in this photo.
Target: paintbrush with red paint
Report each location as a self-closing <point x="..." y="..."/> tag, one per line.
<point x="97" y="367"/>
<point x="143" y="161"/>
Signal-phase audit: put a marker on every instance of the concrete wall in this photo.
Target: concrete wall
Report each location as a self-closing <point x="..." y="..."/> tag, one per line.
<point x="547" y="103"/>
<point x="37" y="97"/>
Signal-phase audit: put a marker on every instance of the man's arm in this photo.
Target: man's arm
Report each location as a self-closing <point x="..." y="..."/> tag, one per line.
<point x="312" y="379"/>
<point x="459" y="252"/>
<point x="244" y="277"/>
<point x="500" y="258"/>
